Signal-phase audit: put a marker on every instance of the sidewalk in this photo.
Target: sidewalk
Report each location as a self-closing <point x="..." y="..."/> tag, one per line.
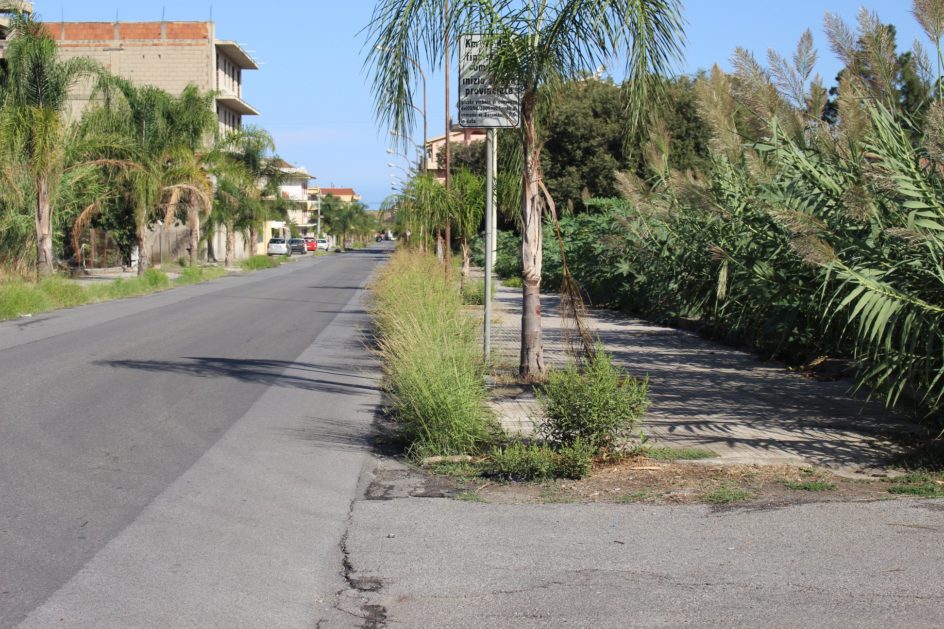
<point x="707" y="395"/>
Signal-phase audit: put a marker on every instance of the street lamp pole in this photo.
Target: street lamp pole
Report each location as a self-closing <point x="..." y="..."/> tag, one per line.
<point x="419" y="69"/>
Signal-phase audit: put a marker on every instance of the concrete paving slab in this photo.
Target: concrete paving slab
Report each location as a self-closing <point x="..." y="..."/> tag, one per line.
<point x="711" y="396"/>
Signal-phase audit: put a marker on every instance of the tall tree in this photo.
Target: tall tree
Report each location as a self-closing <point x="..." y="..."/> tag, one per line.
<point x="467" y="199"/>
<point x="252" y="149"/>
<point x="35" y="105"/>
<point x="163" y="131"/>
<point x="535" y="44"/>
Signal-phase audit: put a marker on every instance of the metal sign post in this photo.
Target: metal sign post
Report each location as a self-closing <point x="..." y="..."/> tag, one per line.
<point x="484" y="105"/>
<point x="490" y="141"/>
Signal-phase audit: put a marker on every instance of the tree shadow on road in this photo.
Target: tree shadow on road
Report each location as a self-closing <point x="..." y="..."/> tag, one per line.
<point x="280" y="373"/>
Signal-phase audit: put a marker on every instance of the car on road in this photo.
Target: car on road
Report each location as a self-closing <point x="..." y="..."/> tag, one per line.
<point x="311" y="244"/>
<point x="296" y="245"/>
<point x="323" y="244"/>
<point x="278" y="247"/>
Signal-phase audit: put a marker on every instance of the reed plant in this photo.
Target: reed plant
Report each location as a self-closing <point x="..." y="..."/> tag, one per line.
<point x="435" y="375"/>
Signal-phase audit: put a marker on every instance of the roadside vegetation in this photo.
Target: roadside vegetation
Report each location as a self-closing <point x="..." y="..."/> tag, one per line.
<point x="435" y="377"/>
<point x="434" y="371"/>
<point x="135" y="160"/>
<point x="19" y="297"/>
<point x="805" y="223"/>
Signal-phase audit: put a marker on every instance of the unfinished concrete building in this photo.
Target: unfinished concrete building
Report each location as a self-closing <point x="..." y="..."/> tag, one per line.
<point x="168" y="55"/>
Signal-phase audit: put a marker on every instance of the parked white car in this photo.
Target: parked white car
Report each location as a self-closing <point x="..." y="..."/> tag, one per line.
<point x="278" y="247"/>
<point x="323" y="244"/>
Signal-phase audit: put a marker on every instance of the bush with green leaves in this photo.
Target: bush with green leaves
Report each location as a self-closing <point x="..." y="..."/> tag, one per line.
<point x="597" y="404"/>
<point x="520" y="461"/>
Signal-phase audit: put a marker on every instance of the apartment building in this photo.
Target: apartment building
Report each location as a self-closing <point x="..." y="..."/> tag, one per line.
<point x="168" y="55"/>
<point x="436" y="145"/>
<point x="7" y="9"/>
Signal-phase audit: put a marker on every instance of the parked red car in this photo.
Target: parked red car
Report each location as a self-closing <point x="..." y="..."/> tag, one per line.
<point x="311" y="244"/>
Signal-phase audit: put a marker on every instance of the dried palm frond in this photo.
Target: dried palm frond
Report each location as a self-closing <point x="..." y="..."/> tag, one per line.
<point x="82" y="222"/>
<point x="577" y="336"/>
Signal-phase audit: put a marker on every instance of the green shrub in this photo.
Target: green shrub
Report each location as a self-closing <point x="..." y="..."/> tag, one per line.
<point x="598" y="405"/>
<point x="154" y="279"/>
<point x="574" y="461"/>
<point x="435" y="374"/>
<point x="519" y="461"/>
<point x="473" y="293"/>
<point x="513" y="282"/>
<point x="507" y="257"/>
<point x="256" y="263"/>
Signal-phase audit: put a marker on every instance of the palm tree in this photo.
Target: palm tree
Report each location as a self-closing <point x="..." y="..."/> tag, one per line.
<point x="35" y="105"/>
<point x="252" y="149"/>
<point x="537" y="45"/>
<point x="163" y="132"/>
<point x="467" y="198"/>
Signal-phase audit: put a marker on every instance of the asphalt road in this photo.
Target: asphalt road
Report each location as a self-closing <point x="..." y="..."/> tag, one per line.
<point x="186" y="458"/>
<point x="434" y="562"/>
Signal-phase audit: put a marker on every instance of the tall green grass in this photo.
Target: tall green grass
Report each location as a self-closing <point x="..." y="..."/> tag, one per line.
<point x="257" y="263"/>
<point x="199" y="274"/>
<point x="19" y="297"/>
<point x="433" y="364"/>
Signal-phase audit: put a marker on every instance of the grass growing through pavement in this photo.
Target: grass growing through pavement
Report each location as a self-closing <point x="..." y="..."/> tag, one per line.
<point x="676" y="454"/>
<point x="432" y="360"/>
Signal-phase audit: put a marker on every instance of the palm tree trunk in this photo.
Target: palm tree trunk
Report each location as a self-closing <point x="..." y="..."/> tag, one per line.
<point x="531" y="366"/>
<point x="144" y="252"/>
<point x="194" y="221"/>
<point x="253" y="235"/>
<point x="44" y="261"/>
<point x="230" y="245"/>
<point x="466" y="259"/>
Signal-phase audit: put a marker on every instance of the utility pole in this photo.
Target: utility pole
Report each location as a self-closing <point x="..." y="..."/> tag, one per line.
<point x="448" y="244"/>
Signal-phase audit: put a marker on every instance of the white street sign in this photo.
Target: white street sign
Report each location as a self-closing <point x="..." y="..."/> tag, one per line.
<point x="482" y="105"/>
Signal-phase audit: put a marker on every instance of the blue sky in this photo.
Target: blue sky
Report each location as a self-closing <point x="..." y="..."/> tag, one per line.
<point x="315" y="98"/>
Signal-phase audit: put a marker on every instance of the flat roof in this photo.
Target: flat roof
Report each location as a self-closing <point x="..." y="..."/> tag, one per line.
<point x="238" y="54"/>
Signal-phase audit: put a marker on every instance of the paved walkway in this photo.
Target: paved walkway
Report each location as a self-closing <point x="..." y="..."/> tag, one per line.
<point x="707" y="395"/>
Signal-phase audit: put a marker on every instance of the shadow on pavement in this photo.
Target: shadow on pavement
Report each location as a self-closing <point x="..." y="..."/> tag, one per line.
<point x="280" y="373"/>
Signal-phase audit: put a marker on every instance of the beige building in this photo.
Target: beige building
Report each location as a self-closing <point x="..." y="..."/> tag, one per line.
<point x="348" y="195"/>
<point x="168" y="55"/>
<point x="171" y="56"/>
<point x="459" y="135"/>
